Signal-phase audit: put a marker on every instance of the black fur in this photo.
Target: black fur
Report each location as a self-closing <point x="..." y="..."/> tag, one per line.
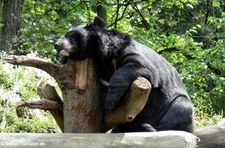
<point x="168" y="106"/>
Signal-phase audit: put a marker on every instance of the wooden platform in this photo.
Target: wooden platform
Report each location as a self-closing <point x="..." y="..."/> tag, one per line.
<point x="165" y="139"/>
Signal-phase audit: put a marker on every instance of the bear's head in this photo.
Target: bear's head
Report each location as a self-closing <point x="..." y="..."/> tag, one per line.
<point x="73" y="44"/>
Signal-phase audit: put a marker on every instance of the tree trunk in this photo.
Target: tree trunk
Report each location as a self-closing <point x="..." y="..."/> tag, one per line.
<point x="11" y="21"/>
<point x="1" y="6"/>
<point x="81" y="111"/>
<point x="1" y="23"/>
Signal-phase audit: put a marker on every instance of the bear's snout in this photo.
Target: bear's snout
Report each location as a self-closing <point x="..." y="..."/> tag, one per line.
<point x="59" y="45"/>
<point x="63" y="46"/>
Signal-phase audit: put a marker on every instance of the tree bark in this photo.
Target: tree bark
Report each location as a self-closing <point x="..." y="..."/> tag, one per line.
<point x="82" y="111"/>
<point x="11" y="21"/>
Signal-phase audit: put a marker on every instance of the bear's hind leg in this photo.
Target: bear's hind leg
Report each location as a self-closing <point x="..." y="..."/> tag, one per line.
<point x="179" y="117"/>
<point x="145" y="127"/>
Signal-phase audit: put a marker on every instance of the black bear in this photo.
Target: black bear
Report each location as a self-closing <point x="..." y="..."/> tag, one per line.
<point x="119" y="60"/>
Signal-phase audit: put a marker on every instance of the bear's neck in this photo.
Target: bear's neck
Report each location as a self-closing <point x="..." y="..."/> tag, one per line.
<point x="112" y="43"/>
<point x="104" y="47"/>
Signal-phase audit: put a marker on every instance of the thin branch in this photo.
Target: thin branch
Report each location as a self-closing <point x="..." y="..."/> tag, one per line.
<point x="88" y="10"/>
<point x="43" y="104"/>
<point x="73" y="8"/>
<point x="63" y="13"/>
<point x="127" y="4"/>
<point x="167" y="50"/>
<point x="207" y="12"/>
<point x="117" y="14"/>
<point x="144" y="21"/>
<point x="124" y="4"/>
<point x="217" y="71"/>
<point x="49" y="67"/>
<point x="122" y="16"/>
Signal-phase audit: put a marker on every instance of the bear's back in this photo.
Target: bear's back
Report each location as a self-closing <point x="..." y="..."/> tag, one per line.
<point x="156" y="69"/>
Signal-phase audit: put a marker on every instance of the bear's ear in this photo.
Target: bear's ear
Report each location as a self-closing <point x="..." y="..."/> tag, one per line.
<point x="99" y="22"/>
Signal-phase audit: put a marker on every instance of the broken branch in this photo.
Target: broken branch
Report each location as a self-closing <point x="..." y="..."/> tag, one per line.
<point x="43" y="104"/>
<point x="49" y="93"/>
<point x="49" y="101"/>
<point x="140" y="89"/>
<point x="49" y="67"/>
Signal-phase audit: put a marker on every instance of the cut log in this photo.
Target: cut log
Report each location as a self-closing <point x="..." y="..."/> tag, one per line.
<point x="211" y="137"/>
<point x="139" y="93"/>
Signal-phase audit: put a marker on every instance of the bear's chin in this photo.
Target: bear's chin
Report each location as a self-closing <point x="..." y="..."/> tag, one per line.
<point x="64" y="53"/>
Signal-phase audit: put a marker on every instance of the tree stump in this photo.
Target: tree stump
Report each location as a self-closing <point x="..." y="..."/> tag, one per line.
<point x="80" y="110"/>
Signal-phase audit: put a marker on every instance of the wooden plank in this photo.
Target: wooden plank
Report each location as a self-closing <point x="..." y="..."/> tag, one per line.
<point x="164" y="139"/>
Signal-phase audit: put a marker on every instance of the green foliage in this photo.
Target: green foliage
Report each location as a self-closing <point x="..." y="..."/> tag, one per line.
<point x="204" y="85"/>
<point x="4" y="79"/>
<point x="17" y="84"/>
<point x="45" y="21"/>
